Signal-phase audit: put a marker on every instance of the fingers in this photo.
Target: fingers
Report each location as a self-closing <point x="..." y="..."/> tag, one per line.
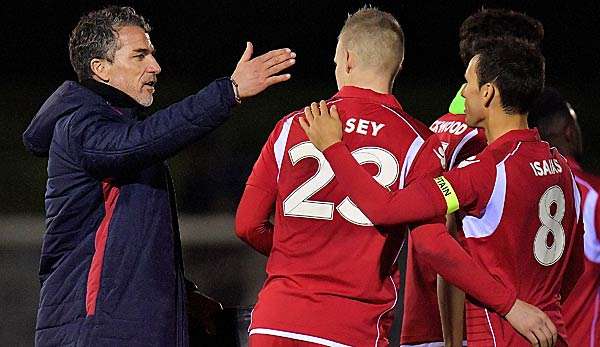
<point x="304" y="124"/>
<point x="547" y="336"/>
<point x="274" y="53"/>
<point x="277" y="79"/>
<point x="280" y="66"/>
<point x="314" y="107"/>
<point x="334" y="113"/>
<point x="552" y="328"/>
<point x="323" y="108"/>
<point x="308" y="115"/>
<point x="247" y="52"/>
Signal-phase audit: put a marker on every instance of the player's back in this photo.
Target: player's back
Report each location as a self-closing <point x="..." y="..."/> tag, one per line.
<point x="582" y="306"/>
<point x="521" y="229"/>
<point x="330" y="270"/>
<point x="458" y="139"/>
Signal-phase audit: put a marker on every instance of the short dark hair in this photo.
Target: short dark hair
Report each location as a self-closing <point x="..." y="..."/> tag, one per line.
<point x="494" y="23"/>
<point x="549" y="109"/>
<point x="95" y="36"/>
<point x="516" y="68"/>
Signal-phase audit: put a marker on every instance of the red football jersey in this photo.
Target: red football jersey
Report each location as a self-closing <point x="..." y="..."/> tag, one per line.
<point x="522" y="206"/>
<point x="330" y="272"/>
<point x="581" y="309"/>
<point x="458" y="139"/>
<point x="459" y="142"/>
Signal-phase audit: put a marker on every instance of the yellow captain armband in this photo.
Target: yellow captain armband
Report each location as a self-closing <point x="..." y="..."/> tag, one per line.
<point x="448" y="193"/>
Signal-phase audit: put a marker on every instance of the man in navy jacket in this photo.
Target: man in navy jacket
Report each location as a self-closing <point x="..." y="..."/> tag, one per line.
<point x="111" y="270"/>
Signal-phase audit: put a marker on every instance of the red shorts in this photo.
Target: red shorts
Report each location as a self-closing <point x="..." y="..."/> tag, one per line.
<point x="261" y="340"/>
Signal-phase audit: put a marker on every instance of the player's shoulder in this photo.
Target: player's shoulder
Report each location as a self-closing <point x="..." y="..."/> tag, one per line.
<point x="587" y="178"/>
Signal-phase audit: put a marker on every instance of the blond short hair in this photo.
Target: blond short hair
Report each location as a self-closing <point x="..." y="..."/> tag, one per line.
<point x="376" y="37"/>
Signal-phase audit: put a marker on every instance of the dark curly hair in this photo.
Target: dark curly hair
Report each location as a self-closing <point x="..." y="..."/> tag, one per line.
<point x="95" y="36"/>
<point x="516" y="68"/>
<point x="494" y="23"/>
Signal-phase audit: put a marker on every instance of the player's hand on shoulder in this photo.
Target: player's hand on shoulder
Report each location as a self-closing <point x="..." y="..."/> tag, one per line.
<point x="322" y="125"/>
<point x="252" y="76"/>
<point x="533" y="324"/>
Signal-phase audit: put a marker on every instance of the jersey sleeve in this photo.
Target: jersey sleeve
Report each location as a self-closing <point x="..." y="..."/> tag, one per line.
<point x="443" y="254"/>
<point x="472" y="183"/>
<point x="419" y="202"/>
<point x="252" y="223"/>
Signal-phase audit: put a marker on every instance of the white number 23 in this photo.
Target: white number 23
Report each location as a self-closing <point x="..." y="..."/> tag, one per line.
<point x="297" y="204"/>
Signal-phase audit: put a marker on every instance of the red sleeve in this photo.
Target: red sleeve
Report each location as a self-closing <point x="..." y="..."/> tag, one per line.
<point x="473" y="182"/>
<point x="252" y="223"/>
<point x="445" y="256"/>
<point x="418" y="202"/>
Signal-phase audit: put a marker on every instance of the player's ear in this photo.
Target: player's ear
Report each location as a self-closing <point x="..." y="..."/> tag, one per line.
<point x="350" y="60"/>
<point x="487" y="93"/>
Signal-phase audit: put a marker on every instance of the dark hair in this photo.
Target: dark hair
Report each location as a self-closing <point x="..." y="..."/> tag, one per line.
<point x="516" y="68"/>
<point x="551" y="114"/>
<point x="95" y="36"/>
<point x="494" y="23"/>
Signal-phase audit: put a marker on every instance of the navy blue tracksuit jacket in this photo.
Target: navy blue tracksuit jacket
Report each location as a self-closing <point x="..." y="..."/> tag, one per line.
<point x="111" y="271"/>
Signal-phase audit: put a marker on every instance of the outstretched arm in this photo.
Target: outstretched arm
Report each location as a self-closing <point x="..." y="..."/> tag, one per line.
<point x="418" y="202"/>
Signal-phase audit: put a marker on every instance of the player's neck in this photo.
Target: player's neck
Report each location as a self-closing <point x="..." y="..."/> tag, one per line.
<point x="500" y="123"/>
<point x="374" y="83"/>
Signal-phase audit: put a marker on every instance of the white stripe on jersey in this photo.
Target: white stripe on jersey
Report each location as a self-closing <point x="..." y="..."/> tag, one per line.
<point x="399" y="115"/>
<point x="591" y="244"/>
<point x="279" y="146"/>
<point x="486" y="225"/>
<point x="410" y="157"/>
<point x="460" y="145"/>
<point x="295" y="336"/>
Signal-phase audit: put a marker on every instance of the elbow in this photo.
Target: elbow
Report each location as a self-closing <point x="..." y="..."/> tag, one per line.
<point x="242" y="229"/>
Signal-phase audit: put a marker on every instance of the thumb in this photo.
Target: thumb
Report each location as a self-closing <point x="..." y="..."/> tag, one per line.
<point x="247" y="52"/>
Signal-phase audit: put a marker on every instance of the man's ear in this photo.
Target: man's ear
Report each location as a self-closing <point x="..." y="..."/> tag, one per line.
<point x="100" y="68"/>
<point x="350" y="60"/>
<point x="487" y="93"/>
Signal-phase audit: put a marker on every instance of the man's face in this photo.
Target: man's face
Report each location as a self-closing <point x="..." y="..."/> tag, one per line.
<point x="471" y="92"/>
<point x="134" y="68"/>
<point x="341" y="76"/>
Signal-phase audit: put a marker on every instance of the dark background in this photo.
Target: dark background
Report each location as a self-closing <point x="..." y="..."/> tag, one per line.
<point x="198" y="41"/>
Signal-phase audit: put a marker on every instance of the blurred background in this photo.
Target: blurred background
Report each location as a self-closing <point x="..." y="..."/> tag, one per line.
<point x="199" y="41"/>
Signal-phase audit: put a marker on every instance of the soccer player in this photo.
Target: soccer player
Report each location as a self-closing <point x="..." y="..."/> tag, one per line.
<point x="330" y="271"/>
<point x="460" y="142"/>
<point x="557" y="123"/>
<point x="519" y="195"/>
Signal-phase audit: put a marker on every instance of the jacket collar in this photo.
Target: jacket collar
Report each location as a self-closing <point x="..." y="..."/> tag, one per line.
<point x="112" y="95"/>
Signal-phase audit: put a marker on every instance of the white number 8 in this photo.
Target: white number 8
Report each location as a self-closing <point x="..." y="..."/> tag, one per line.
<point x="551" y="224"/>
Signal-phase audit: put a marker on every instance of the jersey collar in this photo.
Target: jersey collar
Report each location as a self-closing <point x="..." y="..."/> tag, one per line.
<point x="519" y="135"/>
<point x="362" y="93"/>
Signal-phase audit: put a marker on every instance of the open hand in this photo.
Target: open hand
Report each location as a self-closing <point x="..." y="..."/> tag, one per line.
<point x="255" y="75"/>
<point x="322" y="128"/>
<point x="532" y="323"/>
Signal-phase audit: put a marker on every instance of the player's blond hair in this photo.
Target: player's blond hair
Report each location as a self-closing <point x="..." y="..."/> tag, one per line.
<point x="376" y="38"/>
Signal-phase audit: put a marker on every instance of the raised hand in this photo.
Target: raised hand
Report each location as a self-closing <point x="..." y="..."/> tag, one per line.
<point x="322" y="126"/>
<point x="532" y="323"/>
<point x="255" y="75"/>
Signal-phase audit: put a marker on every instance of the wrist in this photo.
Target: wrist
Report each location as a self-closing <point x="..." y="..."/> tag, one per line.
<point x="236" y="91"/>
